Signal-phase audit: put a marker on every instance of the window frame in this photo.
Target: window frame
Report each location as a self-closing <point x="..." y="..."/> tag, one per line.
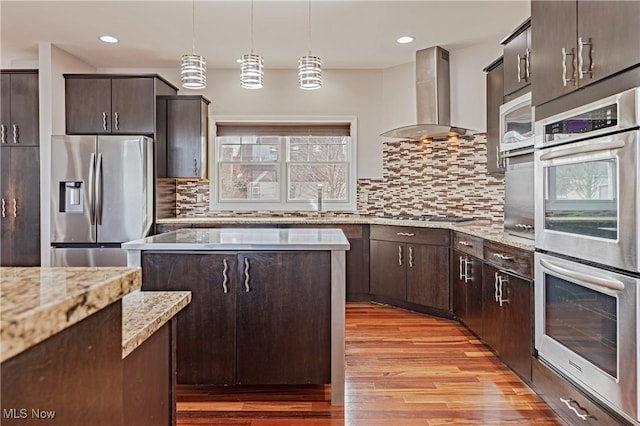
<point x="215" y="204"/>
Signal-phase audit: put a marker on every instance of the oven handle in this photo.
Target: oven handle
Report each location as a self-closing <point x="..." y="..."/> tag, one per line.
<point x="603" y="146"/>
<point x="609" y="283"/>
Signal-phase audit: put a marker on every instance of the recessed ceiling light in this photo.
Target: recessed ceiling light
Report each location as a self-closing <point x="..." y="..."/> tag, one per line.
<point x="405" y="39"/>
<point x="109" y="39"/>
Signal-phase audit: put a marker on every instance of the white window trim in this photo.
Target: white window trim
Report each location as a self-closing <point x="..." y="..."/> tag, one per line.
<point x="347" y="206"/>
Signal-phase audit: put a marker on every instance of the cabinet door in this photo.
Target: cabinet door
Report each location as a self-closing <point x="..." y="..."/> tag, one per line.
<point x="493" y="314"/>
<point x="554" y="27"/>
<point x="184" y="138"/>
<point x="5" y="108"/>
<point x="24" y="128"/>
<point x="515" y="72"/>
<point x="133" y="105"/>
<point x="613" y="29"/>
<point x="495" y="98"/>
<point x="6" y="230"/>
<point x="25" y="205"/>
<point x="388" y="269"/>
<point x="88" y="105"/>
<point x="516" y="342"/>
<point x="474" y="296"/>
<point x="428" y="275"/>
<point x="206" y="328"/>
<point x="284" y="318"/>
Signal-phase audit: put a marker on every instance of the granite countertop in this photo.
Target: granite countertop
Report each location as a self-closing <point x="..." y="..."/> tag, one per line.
<point x="36" y="303"/>
<point x="492" y="231"/>
<point x="145" y="312"/>
<point x="244" y="239"/>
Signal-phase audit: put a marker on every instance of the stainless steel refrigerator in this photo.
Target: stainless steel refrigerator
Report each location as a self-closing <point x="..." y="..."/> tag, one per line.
<point x="101" y="196"/>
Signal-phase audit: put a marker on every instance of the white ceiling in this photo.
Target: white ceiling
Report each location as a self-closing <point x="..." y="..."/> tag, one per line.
<point x="346" y="33"/>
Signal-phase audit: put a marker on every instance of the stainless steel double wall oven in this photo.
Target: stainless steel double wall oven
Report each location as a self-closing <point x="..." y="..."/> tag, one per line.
<point x="587" y="298"/>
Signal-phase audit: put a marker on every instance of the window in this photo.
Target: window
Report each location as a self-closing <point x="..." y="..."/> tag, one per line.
<point x="284" y="165"/>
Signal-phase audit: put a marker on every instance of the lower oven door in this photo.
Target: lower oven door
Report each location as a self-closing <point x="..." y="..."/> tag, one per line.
<point x="587" y="200"/>
<point x="586" y="325"/>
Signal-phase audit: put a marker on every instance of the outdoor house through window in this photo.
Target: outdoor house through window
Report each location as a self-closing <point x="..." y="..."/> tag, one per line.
<point x="284" y="166"/>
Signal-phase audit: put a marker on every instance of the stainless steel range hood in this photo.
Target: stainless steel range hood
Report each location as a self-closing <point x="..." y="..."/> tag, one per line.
<point x="432" y="98"/>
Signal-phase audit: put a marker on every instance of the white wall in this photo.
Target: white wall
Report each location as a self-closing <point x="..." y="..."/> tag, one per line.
<point x="468" y="84"/>
<point x="399" y="106"/>
<point x="52" y="63"/>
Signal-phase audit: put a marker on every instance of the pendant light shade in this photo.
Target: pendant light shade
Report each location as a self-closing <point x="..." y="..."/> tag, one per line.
<point x="309" y="67"/>
<point x="310" y="72"/>
<point x="193" y="71"/>
<point x="251" y="66"/>
<point x="251" y="71"/>
<point x="193" y="67"/>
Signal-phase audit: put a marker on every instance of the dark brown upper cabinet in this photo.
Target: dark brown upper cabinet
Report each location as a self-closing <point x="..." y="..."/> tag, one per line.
<point x="182" y="136"/>
<point x="495" y="98"/>
<point x="113" y="104"/>
<point x="580" y="42"/>
<point x="19" y="95"/>
<point x="517" y="58"/>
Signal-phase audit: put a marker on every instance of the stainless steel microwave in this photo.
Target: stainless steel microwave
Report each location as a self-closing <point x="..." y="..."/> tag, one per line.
<point x="517" y="130"/>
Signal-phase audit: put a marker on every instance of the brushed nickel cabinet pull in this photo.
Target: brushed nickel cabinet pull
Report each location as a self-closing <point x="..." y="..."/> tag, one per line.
<point x="569" y="401"/>
<point x="411" y="257"/>
<point x="15" y="134"/>
<point x="573" y="79"/>
<point x="495" y="286"/>
<point x="405" y="234"/>
<point x="502" y="256"/>
<point x="247" y="277"/>
<point x="15" y="208"/>
<point x="4" y="208"/>
<point x="116" y="117"/>
<point x="501" y="281"/>
<point x="527" y="65"/>
<point x="400" y="255"/>
<point x="461" y="274"/>
<point x="523" y="226"/>
<point x="225" y="277"/>
<point x="195" y="167"/>
<point x="104" y="120"/>
<point x="3" y="133"/>
<point x="465" y="244"/>
<point x="581" y="44"/>
<point x="520" y="60"/>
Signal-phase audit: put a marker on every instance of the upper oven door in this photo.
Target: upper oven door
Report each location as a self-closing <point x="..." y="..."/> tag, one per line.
<point x="516" y="124"/>
<point x="587" y="200"/>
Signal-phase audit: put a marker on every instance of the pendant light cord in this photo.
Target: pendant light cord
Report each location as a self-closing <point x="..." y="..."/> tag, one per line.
<point x="193" y="26"/>
<point x="252" y="26"/>
<point x="309" y="27"/>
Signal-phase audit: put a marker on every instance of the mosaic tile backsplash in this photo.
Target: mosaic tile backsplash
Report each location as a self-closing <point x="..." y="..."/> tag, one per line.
<point x="427" y="178"/>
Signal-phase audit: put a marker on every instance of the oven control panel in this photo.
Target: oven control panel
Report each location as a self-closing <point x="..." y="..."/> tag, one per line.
<point x="597" y="119"/>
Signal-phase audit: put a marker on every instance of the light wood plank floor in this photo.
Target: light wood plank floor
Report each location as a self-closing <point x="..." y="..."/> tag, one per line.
<point x="403" y="368"/>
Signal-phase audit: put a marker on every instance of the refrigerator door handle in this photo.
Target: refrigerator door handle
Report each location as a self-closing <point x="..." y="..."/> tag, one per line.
<point x="92" y="168"/>
<point x="99" y="190"/>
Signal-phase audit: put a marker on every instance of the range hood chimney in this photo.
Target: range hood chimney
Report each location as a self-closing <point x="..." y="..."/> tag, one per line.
<point x="432" y="98"/>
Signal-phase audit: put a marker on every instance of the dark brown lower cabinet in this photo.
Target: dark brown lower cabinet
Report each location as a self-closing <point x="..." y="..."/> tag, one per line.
<point x="466" y="278"/>
<point x="254" y="317"/>
<point x="506" y="326"/>
<point x="20" y="219"/>
<point x="387" y="269"/>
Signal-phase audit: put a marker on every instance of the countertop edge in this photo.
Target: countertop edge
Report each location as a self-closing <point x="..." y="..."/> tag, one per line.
<point x="145" y="312"/>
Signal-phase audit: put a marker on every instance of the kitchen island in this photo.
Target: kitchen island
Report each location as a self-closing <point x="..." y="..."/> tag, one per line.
<point x="268" y="305"/>
<point x="71" y="342"/>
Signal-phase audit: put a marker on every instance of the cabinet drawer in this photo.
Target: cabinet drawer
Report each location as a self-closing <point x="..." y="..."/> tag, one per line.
<point x="468" y="244"/>
<point x="408" y="234"/>
<point x="554" y="390"/>
<point x="509" y="258"/>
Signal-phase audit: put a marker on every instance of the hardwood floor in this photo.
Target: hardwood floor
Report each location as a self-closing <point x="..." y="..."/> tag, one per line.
<point x="403" y="368"/>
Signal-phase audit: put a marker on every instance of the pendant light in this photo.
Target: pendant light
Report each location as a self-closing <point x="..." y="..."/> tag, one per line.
<point x="251" y="66"/>
<point x="310" y="67"/>
<point x="193" y="68"/>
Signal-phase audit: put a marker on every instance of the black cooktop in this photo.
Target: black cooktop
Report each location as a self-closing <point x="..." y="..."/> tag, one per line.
<point x="430" y="218"/>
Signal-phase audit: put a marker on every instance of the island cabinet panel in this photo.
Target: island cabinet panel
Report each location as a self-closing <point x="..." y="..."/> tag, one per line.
<point x="409" y="267"/>
<point x="205" y="346"/>
<point x="254" y="317"/>
<point x="73" y="378"/>
<point x="283" y="317"/>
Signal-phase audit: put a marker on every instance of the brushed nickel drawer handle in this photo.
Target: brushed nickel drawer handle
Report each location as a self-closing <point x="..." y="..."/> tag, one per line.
<point x="411" y="257"/>
<point x="225" y="277"/>
<point x="581" y="44"/>
<point x="3" y="133"/>
<point x="405" y="234"/>
<point x="400" y="255"/>
<point x="15" y="134"/>
<point x="570" y="401"/>
<point x="501" y="281"/>
<point x="523" y="226"/>
<point x="465" y="244"/>
<point x="15" y="208"/>
<point x="4" y="208"/>
<point x="572" y="79"/>
<point x="502" y="256"/>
